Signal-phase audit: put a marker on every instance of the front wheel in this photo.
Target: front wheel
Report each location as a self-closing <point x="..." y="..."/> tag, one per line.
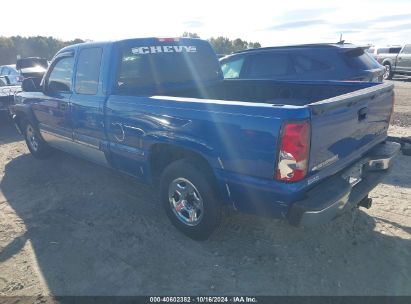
<point x="189" y="197"/>
<point x="388" y="72"/>
<point x="37" y="146"/>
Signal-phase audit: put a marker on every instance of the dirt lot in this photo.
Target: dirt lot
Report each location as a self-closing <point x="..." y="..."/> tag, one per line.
<point x="69" y="227"/>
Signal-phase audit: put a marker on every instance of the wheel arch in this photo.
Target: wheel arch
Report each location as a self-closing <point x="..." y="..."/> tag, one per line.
<point x="161" y="154"/>
<point x="20" y="113"/>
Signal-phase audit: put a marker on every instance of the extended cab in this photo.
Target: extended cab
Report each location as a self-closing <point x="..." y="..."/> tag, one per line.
<point x="160" y="110"/>
<point x="396" y="62"/>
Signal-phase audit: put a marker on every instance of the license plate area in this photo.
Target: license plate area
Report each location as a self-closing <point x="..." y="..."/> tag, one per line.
<point x="353" y="175"/>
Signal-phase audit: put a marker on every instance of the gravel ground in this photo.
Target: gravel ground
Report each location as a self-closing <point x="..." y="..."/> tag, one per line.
<point x="69" y="227"/>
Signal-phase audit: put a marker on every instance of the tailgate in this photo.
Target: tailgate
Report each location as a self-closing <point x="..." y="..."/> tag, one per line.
<point x="344" y="127"/>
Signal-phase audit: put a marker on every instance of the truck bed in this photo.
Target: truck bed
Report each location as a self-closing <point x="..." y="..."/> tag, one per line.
<point x="297" y="93"/>
<point x="347" y="118"/>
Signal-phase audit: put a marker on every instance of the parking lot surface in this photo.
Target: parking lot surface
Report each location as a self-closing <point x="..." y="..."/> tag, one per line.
<point x="70" y="227"/>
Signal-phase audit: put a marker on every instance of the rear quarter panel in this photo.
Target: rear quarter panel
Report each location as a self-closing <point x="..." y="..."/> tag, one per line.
<point x="239" y="137"/>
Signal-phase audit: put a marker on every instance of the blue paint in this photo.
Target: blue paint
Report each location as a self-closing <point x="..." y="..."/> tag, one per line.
<point x="233" y="124"/>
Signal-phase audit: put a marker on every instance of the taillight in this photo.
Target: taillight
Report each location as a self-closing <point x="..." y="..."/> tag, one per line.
<point x="168" y="39"/>
<point x="20" y="78"/>
<point x="294" y="152"/>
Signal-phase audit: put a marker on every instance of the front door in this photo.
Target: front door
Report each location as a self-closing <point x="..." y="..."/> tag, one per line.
<point x="52" y="108"/>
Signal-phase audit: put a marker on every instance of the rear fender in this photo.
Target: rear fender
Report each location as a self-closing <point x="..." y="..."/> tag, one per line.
<point x="196" y="146"/>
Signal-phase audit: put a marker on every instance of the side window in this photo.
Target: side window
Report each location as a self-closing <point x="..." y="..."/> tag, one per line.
<point x="382" y="51"/>
<point x="395" y="50"/>
<point x="88" y="71"/>
<point x="266" y="66"/>
<point x="304" y="64"/>
<point x="407" y="49"/>
<point x="232" y="69"/>
<point x="60" y="76"/>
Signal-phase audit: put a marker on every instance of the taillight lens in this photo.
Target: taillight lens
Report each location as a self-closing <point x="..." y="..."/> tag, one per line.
<point x="168" y="39"/>
<point x="294" y="152"/>
<point x="20" y="78"/>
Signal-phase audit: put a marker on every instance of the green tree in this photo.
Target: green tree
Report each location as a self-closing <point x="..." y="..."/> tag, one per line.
<point x="190" y="35"/>
<point x="39" y="46"/>
<point x="223" y="45"/>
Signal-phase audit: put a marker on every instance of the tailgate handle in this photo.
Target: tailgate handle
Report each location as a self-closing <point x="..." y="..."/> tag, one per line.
<point x="362" y="114"/>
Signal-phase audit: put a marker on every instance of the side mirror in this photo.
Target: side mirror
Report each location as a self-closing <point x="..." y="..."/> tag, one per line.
<point x="31" y="85"/>
<point x="57" y="86"/>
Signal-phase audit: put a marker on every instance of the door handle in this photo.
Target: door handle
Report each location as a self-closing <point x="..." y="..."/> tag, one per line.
<point x="362" y="114"/>
<point x="64" y="106"/>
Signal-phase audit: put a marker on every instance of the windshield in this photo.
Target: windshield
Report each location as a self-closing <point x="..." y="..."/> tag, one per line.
<point x="154" y="66"/>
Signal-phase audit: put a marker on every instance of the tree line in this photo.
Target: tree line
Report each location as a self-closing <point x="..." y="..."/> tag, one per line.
<point x="223" y="45"/>
<point x="39" y="46"/>
<point x="46" y="47"/>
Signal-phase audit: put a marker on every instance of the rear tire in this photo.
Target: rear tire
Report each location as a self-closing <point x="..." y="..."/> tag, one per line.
<point x="188" y="195"/>
<point x="35" y="143"/>
<point x="388" y="74"/>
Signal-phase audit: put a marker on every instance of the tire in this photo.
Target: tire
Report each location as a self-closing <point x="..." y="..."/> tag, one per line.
<point x="35" y="143"/>
<point x="406" y="150"/>
<point x="388" y="74"/>
<point x="188" y="194"/>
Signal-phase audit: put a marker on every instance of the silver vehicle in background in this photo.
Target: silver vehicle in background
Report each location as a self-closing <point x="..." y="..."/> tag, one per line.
<point x="395" y="59"/>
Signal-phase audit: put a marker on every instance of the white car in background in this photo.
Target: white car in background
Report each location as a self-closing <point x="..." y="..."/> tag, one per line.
<point x="12" y="74"/>
<point x="24" y="68"/>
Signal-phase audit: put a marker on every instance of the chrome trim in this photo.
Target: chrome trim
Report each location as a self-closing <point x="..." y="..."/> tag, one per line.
<point x="143" y="133"/>
<point x="123" y="135"/>
<point x="380" y="164"/>
<point x="340" y="202"/>
<point x="185" y="201"/>
<point x="75" y="148"/>
<point x="385" y="155"/>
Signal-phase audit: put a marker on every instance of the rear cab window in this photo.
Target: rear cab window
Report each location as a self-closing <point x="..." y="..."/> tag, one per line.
<point x="149" y="65"/>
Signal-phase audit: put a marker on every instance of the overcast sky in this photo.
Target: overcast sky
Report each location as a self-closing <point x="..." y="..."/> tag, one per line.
<point x="379" y="22"/>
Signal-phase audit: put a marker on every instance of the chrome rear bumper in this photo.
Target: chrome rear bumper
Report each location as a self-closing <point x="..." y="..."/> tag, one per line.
<point x="346" y="190"/>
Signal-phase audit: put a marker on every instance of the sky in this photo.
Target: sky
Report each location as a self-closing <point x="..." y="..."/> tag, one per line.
<point x="378" y="22"/>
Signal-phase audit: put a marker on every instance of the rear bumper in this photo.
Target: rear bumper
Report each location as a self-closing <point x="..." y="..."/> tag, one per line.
<point x="346" y="190"/>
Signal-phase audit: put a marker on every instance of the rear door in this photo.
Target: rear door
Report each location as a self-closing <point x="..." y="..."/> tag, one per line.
<point x="87" y="104"/>
<point x="346" y="126"/>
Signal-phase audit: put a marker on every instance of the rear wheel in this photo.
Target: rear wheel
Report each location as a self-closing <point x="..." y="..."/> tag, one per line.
<point x="188" y="195"/>
<point x="37" y="146"/>
<point x="388" y="71"/>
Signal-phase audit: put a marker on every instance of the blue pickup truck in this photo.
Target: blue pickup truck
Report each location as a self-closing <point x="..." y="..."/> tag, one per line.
<point x="159" y="109"/>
